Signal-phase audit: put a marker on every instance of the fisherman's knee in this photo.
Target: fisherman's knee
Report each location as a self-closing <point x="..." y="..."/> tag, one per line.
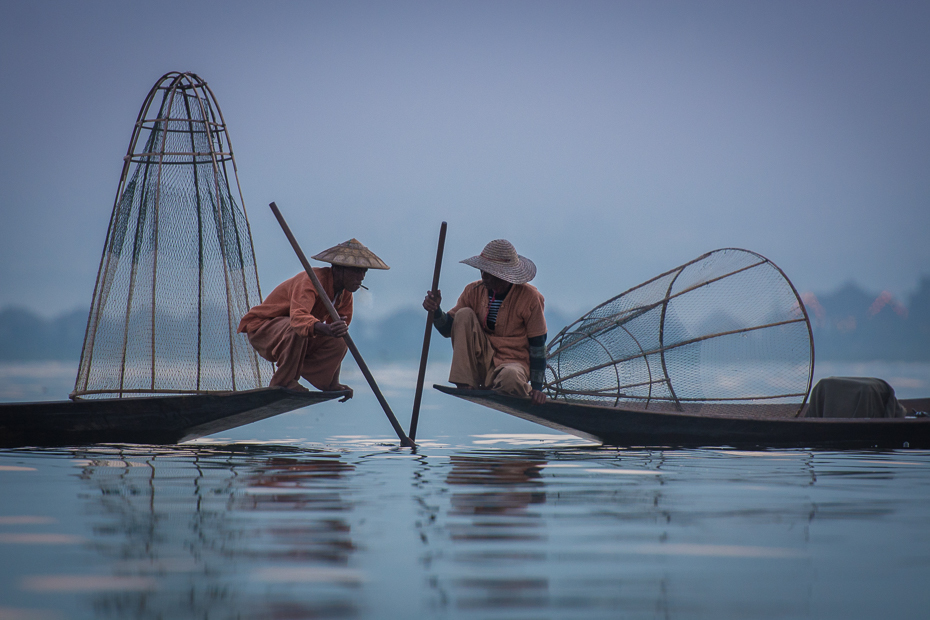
<point x="288" y="343"/>
<point x="464" y="318"/>
<point x="463" y="322"/>
<point x="328" y="347"/>
<point x="511" y="379"/>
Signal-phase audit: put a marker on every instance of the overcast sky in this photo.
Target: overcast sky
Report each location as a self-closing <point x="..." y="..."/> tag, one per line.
<point x="609" y="141"/>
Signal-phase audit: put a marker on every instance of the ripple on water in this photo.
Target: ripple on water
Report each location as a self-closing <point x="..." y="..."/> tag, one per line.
<point x="510" y="529"/>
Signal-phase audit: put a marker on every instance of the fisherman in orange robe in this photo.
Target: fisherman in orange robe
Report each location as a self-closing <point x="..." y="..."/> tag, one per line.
<point x="498" y="326"/>
<point x="293" y="329"/>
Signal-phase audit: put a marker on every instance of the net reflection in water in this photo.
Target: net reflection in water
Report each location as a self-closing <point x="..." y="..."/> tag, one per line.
<point x="227" y="532"/>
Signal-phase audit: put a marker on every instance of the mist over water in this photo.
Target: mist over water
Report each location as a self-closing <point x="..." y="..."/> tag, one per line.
<point x="54" y="380"/>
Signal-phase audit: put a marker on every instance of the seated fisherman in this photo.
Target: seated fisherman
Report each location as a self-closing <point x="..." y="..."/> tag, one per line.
<point x="497" y="327"/>
<point x="293" y="329"/>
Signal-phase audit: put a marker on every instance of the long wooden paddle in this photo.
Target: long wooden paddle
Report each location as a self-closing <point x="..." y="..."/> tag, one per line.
<point x="429" y="330"/>
<point x="404" y="440"/>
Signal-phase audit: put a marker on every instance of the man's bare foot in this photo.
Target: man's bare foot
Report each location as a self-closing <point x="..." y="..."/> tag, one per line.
<point x="345" y="388"/>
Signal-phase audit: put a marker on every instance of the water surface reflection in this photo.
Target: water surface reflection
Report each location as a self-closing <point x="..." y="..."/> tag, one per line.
<point x="520" y="532"/>
<point x="223" y="532"/>
<point x="587" y="533"/>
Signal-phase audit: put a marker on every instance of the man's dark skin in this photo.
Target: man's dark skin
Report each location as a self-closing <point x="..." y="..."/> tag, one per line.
<point x="344" y="279"/>
<point x="496" y="286"/>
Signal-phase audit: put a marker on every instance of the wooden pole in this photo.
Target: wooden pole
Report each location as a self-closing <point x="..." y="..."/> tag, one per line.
<point x="429" y="330"/>
<point x="404" y="440"/>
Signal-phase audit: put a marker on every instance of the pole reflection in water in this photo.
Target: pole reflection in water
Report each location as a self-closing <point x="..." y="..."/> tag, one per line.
<point x="223" y="533"/>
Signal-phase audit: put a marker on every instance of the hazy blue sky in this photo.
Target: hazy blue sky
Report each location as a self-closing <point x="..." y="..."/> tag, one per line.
<point x="610" y="141"/>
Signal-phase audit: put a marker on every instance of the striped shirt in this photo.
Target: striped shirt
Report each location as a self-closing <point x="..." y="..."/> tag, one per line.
<point x="494" y="306"/>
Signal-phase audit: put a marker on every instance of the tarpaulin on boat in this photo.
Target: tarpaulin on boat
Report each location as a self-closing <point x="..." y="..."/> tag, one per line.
<point x="854" y="397"/>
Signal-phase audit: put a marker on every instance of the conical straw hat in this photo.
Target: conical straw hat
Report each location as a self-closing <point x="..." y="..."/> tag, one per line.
<point x="499" y="258"/>
<point x="351" y="253"/>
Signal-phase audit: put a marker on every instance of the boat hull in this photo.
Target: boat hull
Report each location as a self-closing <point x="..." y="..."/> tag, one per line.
<point x="623" y="427"/>
<point x="152" y="420"/>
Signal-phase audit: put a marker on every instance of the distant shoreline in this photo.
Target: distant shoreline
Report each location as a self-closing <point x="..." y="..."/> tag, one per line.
<point x="849" y="324"/>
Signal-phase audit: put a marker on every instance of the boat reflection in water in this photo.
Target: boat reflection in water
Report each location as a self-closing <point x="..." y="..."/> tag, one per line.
<point x="494" y="506"/>
<point x="222" y="532"/>
<point x="537" y="531"/>
<point x="361" y="529"/>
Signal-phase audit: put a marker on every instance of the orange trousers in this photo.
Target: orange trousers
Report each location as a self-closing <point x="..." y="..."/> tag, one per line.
<point x="473" y="359"/>
<point x="317" y="359"/>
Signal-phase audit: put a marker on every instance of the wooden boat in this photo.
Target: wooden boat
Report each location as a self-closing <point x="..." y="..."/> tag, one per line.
<point x="151" y="420"/>
<point x="746" y="426"/>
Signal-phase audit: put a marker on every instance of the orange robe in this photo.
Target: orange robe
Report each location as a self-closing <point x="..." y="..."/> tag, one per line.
<point x="281" y="329"/>
<point x="296" y="298"/>
<point x="520" y="318"/>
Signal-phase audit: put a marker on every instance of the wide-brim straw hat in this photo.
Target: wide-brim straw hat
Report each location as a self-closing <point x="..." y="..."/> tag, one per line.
<point x="499" y="258"/>
<point x="351" y="253"/>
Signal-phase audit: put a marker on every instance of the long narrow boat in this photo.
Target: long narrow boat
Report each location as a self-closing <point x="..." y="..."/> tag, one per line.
<point x="151" y="420"/>
<point x="745" y="427"/>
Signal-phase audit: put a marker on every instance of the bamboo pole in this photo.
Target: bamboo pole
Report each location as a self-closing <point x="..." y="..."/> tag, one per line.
<point x="418" y="395"/>
<point x="404" y="440"/>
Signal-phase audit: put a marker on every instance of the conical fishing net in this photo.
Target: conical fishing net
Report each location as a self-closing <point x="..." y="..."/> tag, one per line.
<point x="711" y="336"/>
<point x="178" y="269"/>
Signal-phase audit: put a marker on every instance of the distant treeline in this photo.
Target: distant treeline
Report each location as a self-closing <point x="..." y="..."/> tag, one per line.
<point x="26" y="336"/>
<point x="849" y="324"/>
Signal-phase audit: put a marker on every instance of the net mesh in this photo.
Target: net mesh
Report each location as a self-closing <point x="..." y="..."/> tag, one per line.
<point x="178" y="268"/>
<point x="711" y="336"/>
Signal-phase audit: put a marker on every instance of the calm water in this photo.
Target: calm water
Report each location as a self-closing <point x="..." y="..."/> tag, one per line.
<point x="317" y="514"/>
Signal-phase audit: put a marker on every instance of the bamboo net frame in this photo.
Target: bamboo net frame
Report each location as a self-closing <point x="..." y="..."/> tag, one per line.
<point x="178" y="265"/>
<point x="722" y="331"/>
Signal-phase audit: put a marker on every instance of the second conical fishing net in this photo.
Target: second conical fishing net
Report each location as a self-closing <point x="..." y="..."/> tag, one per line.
<point x="712" y="336"/>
